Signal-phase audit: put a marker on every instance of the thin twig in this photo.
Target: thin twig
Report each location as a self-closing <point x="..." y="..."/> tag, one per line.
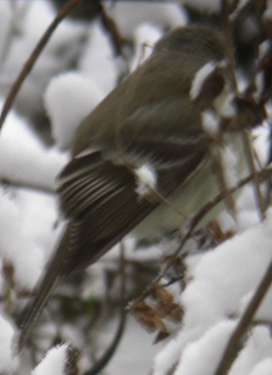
<point x="33" y="57"/>
<point x="243" y="325"/>
<point x="227" y="26"/>
<point x="111" y="28"/>
<point x="106" y="357"/>
<point x="262" y="175"/>
<point x="219" y="168"/>
<point x="250" y="160"/>
<point x="28" y="185"/>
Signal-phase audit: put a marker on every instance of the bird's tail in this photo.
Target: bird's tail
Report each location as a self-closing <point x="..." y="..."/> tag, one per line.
<point x="44" y="290"/>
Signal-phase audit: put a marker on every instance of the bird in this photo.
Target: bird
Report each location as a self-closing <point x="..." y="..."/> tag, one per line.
<point x="149" y="119"/>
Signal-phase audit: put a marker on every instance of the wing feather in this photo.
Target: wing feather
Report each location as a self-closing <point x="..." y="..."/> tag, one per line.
<point x="108" y="207"/>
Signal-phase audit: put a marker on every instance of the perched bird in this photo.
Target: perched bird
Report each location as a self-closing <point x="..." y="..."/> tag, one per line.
<point x="151" y="120"/>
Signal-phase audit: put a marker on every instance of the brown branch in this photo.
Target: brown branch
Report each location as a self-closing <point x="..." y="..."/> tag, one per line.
<point x="111" y="28"/>
<point x="227" y="27"/>
<point x="27" y="185"/>
<point x="243" y="325"/>
<point x="262" y="175"/>
<point x="33" y="57"/>
<point x="250" y="160"/>
<point x="71" y="365"/>
<point x="107" y="356"/>
<point x="219" y="171"/>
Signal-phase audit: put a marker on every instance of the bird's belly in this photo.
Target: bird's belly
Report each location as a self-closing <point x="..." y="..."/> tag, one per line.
<point x="189" y="198"/>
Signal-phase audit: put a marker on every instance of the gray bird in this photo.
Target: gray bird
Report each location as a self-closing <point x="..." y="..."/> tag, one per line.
<point x="149" y="119"/>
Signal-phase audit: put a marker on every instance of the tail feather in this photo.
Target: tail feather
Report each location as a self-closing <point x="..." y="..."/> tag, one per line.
<point x="34" y="311"/>
<point x="49" y="281"/>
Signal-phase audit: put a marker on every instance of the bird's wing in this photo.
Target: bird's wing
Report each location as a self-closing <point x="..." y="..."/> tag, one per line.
<point x="99" y="200"/>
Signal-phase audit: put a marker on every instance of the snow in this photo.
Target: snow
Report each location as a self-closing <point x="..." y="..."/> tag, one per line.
<point x="250" y="246"/>
<point x="54" y="362"/>
<point x="210" y="123"/>
<point x="5" y="19"/>
<point x="28" y="21"/>
<point x="27" y="264"/>
<point x="68" y="99"/>
<point x="230" y="161"/>
<point x="136" y="352"/>
<point x="8" y="363"/>
<point x="202" y="357"/>
<point x="38" y="17"/>
<point x="226" y="108"/>
<point x="98" y="61"/>
<point x="24" y="160"/>
<point x="145" y="36"/>
<point x="219" y="282"/>
<point x="38" y="218"/>
<point x="263" y="313"/>
<point x="128" y="15"/>
<point x="258" y="347"/>
<point x="27" y="217"/>
<point x="263" y="367"/>
<point x="27" y="232"/>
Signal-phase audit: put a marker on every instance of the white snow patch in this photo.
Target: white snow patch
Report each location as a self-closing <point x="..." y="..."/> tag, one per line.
<point x="68" y="99"/>
<point x="202" y="356"/>
<point x="23" y="158"/>
<point x="128" y="15"/>
<point x="145" y="36"/>
<point x="53" y="363"/>
<point x="229" y="165"/>
<point x="8" y="363"/>
<point x="257" y="348"/>
<point x="17" y="248"/>
<point x="98" y="61"/>
<point x="210" y="123"/>
<point x="264" y="367"/>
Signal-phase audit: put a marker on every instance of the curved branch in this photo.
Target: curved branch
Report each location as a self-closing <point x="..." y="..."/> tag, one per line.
<point x="33" y="57"/>
<point x="243" y="325"/>
<point x="107" y="356"/>
<point x="262" y="175"/>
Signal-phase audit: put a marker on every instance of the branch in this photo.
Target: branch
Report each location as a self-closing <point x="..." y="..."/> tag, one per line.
<point x="111" y="28"/>
<point x="33" y="57"/>
<point x="28" y="185"/>
<point x="262" y="175"/>
<point x="250" y="160"/>
<point x="228" y="28"/>
<point x="107" y="356"/>
<point x="243" y="325"/>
